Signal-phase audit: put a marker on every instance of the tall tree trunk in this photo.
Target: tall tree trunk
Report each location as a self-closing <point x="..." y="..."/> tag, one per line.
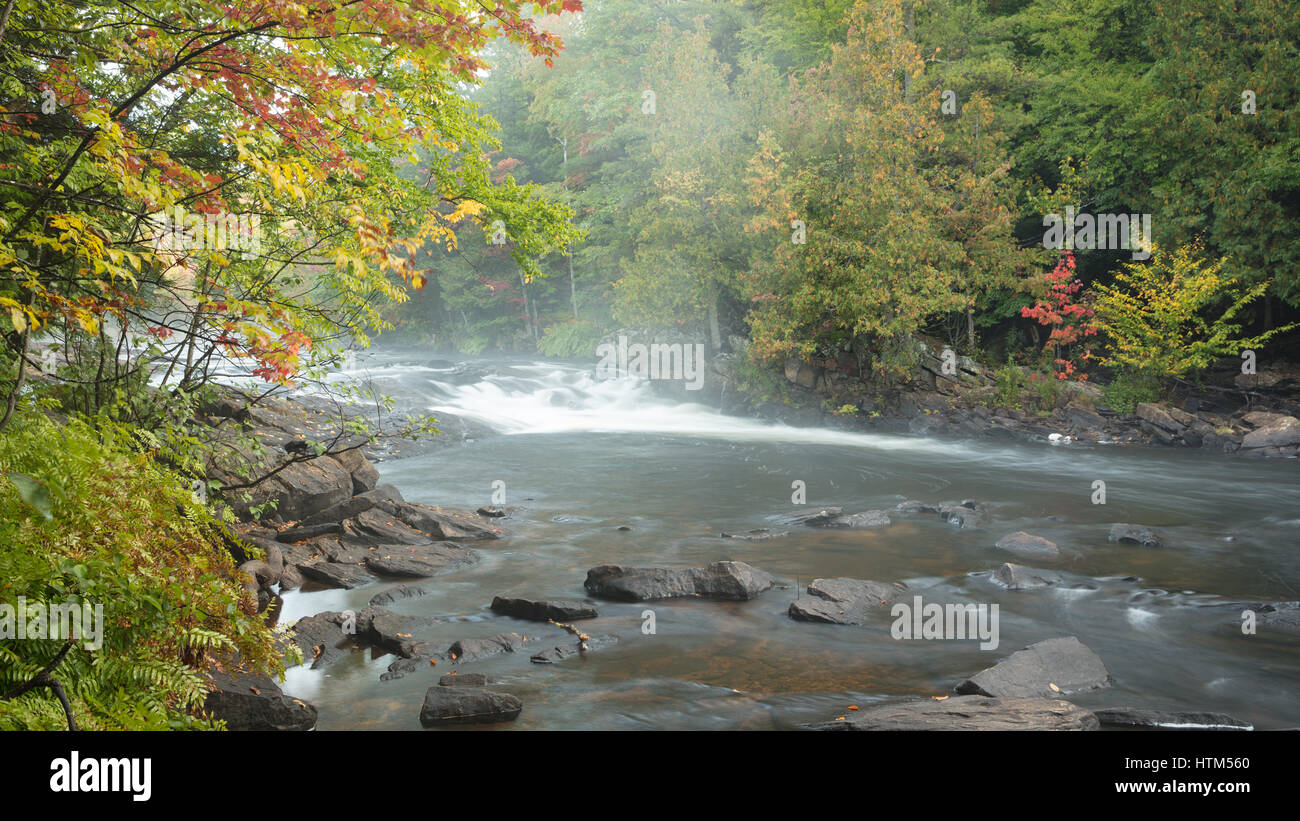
<point x="715" y="334"/>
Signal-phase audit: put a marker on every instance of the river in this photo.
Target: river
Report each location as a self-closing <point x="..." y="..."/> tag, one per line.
<point x="580" y="458"/>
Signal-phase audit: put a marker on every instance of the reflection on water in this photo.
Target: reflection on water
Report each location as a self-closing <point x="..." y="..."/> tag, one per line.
<point x="581" y="458"/>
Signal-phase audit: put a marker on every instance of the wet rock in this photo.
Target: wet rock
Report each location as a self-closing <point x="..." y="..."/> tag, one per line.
<point x="1281" y="615"/>
<point x="760" y="535"/>
<point x="248" y="701"/>
<point x="442" y="523"/>
<point x="462" y="680"/>
<point x="967" y="513"/>
<point x="492" y="512"/>
<point x="356" y="504"/>
<point x="860" y="521"/>
<point x="375" y="527"/>
<point x="325" y="637"/>
<point x="260" y="571"/>
<point x="336" y="574"/>
<point x="402" y="667"/>
<point x="364" y="474"/>
<point x="467" y="705"/>
<point x="393" y="632"/>
<point x="731" y="581"/>
<point x="467" y="650"/>
<point x="1282" y="433"/>
<point x="1045" y="669"/>
<point x="912" y="507"/>
<point x="534" y="610"/>
<point x="302" y="534"/>
<point x="1134" y="534"/>
<point x="1027" y="544"/>
<point x="336" y="551"/>
<point x="843" y="601"/>
<point x="817" y="518"/>
<point x="968" y="713"/>
<point x="1157" y="416"/>
<point x="402" y="591"/>
<point x="310" y="487"/>
<point x="1167" y="720"/>
<point x="290" y="578"/>
<point x="418" y="561"/>
<point x="575" y="648"/>
<point x="1019" y="577"/>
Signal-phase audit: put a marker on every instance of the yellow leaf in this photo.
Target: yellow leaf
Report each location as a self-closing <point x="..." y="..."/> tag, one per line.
<point x="20" y="323"/>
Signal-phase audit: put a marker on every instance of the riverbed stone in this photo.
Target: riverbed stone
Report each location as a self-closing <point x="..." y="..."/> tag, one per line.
<point x="1134" y="534"/>
<point x="467" y="650"/>
<point x="402" y="591"/>
<point x="543" y="610"/>
<point x="442" y="523"/>
<point x="843" y="601"/>
<point x="967" y="713"/>
<point x="727" y="580"/>
<point x="1054" y="667"/>
<point x="467" y="705"/>
<point x="1019" y="577"/>
<point x="860" y="521"/>
<point x="1027" y="544"/>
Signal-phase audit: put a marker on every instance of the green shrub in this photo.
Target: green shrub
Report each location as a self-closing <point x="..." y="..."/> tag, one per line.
<point x="1128" y="388"/>
<point x="86" y="518"/>
<point x="570" y="340"/>
<point x="1009" y="381"/>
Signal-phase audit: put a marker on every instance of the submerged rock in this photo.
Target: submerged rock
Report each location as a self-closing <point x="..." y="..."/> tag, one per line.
<point x="1134" y="534"/>
<point x="336" y="574"/>
<point x="1045" y="669"/>
<point x="759" y="535"/>
<point x="1027" y="544"/>
<point x="730" y="581"/>
<point x="968" y="713"/>
<point x="843" y="601"/>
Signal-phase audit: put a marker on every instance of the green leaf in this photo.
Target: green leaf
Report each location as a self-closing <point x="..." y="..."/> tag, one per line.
<point x="34" y="492"/>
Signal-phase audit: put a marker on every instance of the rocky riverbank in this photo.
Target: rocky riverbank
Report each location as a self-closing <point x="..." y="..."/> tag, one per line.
<point x="1251" y="415"/>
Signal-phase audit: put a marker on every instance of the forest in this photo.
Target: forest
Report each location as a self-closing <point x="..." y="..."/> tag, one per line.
<point x="209" y="209"/>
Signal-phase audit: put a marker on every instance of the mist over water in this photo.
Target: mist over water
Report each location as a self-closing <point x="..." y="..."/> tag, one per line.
<point x="582" y="457"/>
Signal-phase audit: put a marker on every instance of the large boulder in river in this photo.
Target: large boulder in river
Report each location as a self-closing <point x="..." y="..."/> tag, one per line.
<point x="968" y="713"/>
<point x="731" y="581"/>
<point x="843" y="601"/>
<point x="535" y="610"/>
<point x="1279" y="433"/>
<point x="375" y="527"/>
<point x="1027" y="544"/>
<point x="467" y="705"/>
<point x="1048" y="668"/>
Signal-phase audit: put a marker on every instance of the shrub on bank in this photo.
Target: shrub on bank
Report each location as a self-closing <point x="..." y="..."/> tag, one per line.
<point x="88" y="517"/>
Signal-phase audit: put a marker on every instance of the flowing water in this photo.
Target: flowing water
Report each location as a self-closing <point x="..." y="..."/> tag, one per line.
<point x="580" y="458"/>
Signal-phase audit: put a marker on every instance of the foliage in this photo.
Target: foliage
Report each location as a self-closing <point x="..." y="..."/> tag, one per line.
<point x="1127" y="388"/>
<point x="1068" y="319"/>
<point x="1175" y="314"/>
<point x="122" y="533"/>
